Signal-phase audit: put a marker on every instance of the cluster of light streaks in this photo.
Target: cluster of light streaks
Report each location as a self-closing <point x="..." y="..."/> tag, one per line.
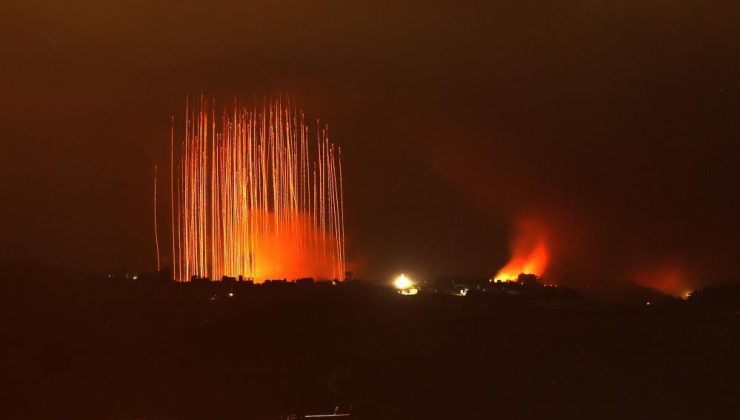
<point x="255" y="193"/>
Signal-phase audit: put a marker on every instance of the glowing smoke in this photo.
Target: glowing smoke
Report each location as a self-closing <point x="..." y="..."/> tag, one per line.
<point x="256" y="193"/>
<point x="529" y="252"/>
<point x="667" y="278"/>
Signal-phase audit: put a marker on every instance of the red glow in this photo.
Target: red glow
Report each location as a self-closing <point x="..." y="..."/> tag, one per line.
<point x="252" y="198"/>
<point x="529" y="252"/>
<point x="669" y="279"/>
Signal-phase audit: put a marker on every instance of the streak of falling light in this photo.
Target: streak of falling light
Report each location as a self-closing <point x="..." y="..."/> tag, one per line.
<point x="255" y="193"/>
<point x="156" y="230"/>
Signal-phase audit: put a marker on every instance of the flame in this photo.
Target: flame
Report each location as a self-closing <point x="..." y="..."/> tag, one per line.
<point x="529" y="252"/>
<point x="251" y="196"/>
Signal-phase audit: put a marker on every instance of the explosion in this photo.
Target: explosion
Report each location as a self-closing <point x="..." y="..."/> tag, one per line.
<point x="251" y="197"/>
<point x="529" y="252"/>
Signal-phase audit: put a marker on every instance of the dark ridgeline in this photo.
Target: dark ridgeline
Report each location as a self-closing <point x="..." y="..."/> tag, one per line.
<point x="119" y="348"/>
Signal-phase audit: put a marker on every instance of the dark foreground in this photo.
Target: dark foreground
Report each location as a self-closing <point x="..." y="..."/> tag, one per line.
<point x="87" y="349"/>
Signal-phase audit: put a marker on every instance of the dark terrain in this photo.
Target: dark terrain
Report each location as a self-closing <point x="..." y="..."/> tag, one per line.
<point x="121" y="349"/>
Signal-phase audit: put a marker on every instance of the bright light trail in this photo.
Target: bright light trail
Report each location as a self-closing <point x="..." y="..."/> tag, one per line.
<point x="255" y="193"/>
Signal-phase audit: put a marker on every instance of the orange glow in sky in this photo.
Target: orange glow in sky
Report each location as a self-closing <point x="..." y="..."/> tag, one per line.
<point x="670" y="279"/>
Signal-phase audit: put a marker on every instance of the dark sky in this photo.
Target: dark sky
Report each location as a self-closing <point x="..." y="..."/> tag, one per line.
<point x="614" y="123"/>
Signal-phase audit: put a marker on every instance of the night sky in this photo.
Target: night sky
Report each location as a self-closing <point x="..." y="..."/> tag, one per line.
<point x="614" y="124"/>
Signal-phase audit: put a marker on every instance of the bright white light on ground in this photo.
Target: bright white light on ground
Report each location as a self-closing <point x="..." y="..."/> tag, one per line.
<point x="405" y="285"/>
<point x="402" y="282"/>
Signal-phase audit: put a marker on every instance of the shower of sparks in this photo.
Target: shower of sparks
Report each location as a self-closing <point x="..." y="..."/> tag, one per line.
<point x="255" y="194"/>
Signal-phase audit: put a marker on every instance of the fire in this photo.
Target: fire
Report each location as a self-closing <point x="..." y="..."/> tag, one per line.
<point x="403" y="282"/>
<point x="255" y="194"/>
<point x="530" y="253"/>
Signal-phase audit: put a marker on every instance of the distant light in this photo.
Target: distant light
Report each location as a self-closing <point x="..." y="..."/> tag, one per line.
<point x="402" y="282"/>
<point x="648" y="303"/>
<point x="405" y="285"/>
<point x="135" y="277"/>
<point x="231" y="294"/>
